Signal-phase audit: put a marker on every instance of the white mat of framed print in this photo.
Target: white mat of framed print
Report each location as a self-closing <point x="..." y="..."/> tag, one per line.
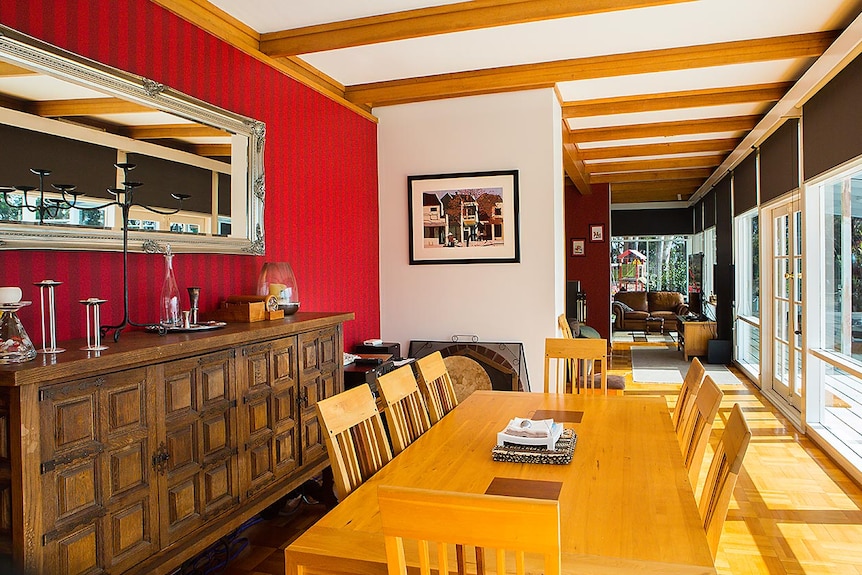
<point x="464" y="218"/>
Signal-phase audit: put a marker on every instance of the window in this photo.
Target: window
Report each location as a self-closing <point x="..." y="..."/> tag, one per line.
<point x="650" y="263"/>
<point x="748" y="292"/>
<point x="834" y="374"/>
<point x="80" y="215"/>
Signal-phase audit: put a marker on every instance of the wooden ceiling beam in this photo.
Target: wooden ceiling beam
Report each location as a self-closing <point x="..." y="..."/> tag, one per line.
<point x="651" y="176"/>
<point x="671" y="185"/>
<point x="156" y="132"/>
<point x="85" y="107"/>
<point x="444" y="19"/>
<point x="8" y="70"/>
<point x="574" y="168"/>
<point x="215" y="21"/>
<point x="225" y="27"/>
<point x="696" y="146"/>
<point x="645" y="197"/>
<point x="211" y="150"/>
<point x="709" y="161"/>
<point x="546" y="74"/>
<point x="677" y="100"/>
<point x="665" y="129"/>
<point x="12" y="104"/>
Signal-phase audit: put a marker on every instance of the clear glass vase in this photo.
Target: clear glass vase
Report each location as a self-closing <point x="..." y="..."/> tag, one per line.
<point x="169" y="302"/>
<point x="277" y="279"/>
<point x="15" y="344"/>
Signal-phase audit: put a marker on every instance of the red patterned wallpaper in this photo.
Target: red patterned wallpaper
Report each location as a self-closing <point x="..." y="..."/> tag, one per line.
<point x="593" y="269"/>
<point x="321" y="174"/>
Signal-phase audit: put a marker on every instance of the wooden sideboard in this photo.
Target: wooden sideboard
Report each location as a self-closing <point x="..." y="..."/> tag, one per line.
<point x="134" y="459"/>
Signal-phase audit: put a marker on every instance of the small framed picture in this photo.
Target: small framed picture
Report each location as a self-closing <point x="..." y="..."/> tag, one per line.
<point x="578" y="247"/>
<point x="597" y="232"/>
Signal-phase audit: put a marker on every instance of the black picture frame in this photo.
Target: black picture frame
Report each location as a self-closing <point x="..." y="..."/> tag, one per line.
<point x="464" y="218"/>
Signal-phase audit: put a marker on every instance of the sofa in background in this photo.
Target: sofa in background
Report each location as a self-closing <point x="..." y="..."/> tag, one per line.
<point x="632" y="308"/>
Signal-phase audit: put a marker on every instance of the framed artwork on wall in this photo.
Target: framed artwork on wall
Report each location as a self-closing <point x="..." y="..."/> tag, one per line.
<point x="464" y="218"/>
<point x="579" y="247"/>
<point x="597" y="232"/>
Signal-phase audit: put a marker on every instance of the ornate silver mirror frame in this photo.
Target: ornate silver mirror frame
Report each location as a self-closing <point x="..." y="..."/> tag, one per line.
<point x="247" y="234"/>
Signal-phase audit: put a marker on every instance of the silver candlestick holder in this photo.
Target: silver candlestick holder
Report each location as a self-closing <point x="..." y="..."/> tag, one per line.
<point x="95" y="343"/>
<point x="51" y="335"/>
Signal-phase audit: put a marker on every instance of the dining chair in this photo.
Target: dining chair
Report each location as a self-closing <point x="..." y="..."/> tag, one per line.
<point x="696" y="430"/>
<point x="581" y="354"/>
<point x="514" y="531"/>
<point x="405" y="411"/>
<point x="355" y="438"/>
<point x="685" y="401"/>
<point x="723" y="473"/>
<point x="565" y="328"/>
<point x="436" y="386"/>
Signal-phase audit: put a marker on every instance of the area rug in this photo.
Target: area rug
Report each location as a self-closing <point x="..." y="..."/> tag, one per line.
<point x="641" y="337"/>
<point x="663" y="365"/>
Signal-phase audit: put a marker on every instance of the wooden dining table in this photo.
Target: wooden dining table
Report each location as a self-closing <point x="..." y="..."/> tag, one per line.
<point x="626" y="505"/>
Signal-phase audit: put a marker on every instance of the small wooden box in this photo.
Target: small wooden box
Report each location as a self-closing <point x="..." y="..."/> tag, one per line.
<point x="243" y="309"/>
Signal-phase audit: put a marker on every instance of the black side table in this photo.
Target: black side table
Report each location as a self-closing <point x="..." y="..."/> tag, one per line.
<point x="652" y="322"/>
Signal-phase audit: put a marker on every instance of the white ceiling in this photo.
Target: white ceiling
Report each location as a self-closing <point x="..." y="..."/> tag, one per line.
<point x="685" y="24"/>
<point x="610" y="33"/>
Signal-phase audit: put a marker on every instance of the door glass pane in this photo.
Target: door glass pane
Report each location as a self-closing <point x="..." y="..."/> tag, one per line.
<point x="782" y="363"/>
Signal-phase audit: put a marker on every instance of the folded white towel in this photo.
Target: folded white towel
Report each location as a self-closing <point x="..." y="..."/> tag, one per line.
<point x="520" y="427"/>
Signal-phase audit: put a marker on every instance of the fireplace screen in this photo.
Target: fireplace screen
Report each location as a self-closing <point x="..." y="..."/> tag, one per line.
<point x="503" y="362"/>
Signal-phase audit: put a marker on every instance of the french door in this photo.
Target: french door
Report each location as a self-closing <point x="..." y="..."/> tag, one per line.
<point x="786" y="283"/>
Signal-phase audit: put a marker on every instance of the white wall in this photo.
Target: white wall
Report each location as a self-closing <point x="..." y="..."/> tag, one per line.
<point x="497" y="302"/>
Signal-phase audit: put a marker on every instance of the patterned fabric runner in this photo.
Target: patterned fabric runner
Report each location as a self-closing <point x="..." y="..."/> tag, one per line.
<point x="561" y="455"/>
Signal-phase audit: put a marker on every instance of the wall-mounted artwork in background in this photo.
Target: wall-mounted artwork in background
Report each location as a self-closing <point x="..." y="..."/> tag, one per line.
<point x="579" y="247"/>
<point x="464" y="218"/>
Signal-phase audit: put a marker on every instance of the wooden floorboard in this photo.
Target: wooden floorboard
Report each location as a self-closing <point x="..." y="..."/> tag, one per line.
<point x="794" y="511"/>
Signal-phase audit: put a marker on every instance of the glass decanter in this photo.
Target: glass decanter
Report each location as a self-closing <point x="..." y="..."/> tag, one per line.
<point x="169" y="302"/>
<point x="15" y="344"/>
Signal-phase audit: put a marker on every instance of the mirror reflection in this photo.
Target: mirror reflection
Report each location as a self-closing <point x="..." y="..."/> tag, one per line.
<point x="66" y="121"/>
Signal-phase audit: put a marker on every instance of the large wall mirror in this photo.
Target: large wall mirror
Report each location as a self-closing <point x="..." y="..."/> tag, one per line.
<point x="77" y="118"/>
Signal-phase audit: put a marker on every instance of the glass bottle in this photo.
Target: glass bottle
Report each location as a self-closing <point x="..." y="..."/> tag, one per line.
<point x="169" y="303"/>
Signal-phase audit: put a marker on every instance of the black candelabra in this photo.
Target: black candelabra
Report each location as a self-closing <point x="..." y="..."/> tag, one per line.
<point x="124" y="198"/>
<point x="44" y="207"/>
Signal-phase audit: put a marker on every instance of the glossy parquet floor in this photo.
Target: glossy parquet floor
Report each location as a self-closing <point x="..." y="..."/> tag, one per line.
<point x="794" y="511"/>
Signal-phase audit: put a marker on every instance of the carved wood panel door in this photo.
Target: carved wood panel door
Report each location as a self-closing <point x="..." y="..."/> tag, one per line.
<point x="197" y="461"/>
<point x="319" y="377"/>
<point x="268" y="412"/>
<point x="100" y="499"/>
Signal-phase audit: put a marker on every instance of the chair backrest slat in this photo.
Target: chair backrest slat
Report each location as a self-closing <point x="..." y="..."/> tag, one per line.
<point x="565" y="328"/>
<point x="516" y="528"/>
<point x="406" y="414"/>
<point x="355" y="438"/>
<point x="583" y="353"/>
<point x="685" y="401"/>
<point x="696" y="434"/>
<point x="722" y="476"/>
<point x="436" y="386"/>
